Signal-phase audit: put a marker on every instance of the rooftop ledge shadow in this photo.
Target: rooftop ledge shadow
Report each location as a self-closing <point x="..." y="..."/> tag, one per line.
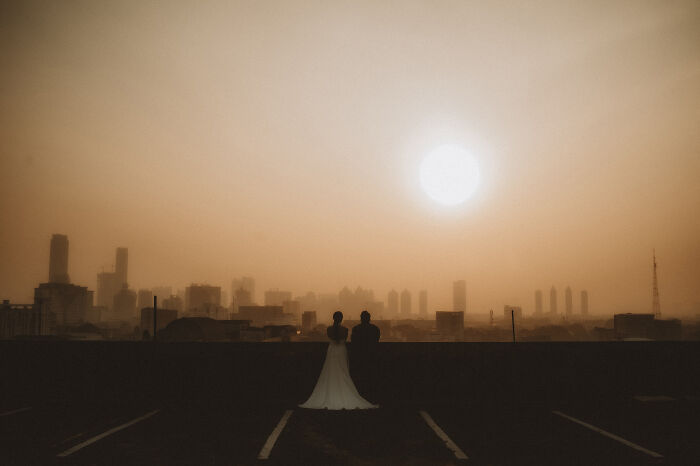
<point x="462" y="372"/>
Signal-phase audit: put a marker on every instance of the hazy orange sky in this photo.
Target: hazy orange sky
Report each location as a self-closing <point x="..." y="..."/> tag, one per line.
<point x="282" y="140"/>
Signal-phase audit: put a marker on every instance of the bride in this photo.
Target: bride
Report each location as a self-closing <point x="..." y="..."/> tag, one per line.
<point x="335" y="389"/>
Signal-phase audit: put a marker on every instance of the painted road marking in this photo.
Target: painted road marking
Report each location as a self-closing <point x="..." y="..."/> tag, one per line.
<point x="609" y="435"/>
<point x="443" y="436"/>
<point x="94" y="439"/>
<point x="72" y="437"/>
<point x="15" y="411"/>
<point x="648" y="398"/>
<point x="270" y="443"/>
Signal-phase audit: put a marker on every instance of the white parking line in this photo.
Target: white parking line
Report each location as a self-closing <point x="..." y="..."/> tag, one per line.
<point x="459" y="454"/>
<point x="608" y="434"/>
<point x="14" y="411"/>
<point x="94" y="439"/>
<point x="72" y="437"/>
<point x="270" y="443"/>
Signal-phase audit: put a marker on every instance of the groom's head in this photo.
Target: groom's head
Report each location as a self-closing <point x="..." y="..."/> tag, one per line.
<point x="364" y="317"/>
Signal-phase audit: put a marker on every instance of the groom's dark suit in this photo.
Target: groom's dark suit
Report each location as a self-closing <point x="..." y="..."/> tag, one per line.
<point x="363" y="361"/>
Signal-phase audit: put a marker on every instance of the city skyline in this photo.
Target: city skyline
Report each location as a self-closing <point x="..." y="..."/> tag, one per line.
<point x="245" y="143"/>
<point x="112" y="284"/>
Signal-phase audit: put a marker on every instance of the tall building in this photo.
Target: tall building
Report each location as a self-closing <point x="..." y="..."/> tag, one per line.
<point x="241" y="297"/>
<point x="58" y="260"/>
<point x="352" y="303"/>
<point x="553" y="300"/>
<point x="106" y="289"/>
<point x="568" y="301"/>
<point x="111" y="283"/>
<point x="61" y="304"/>
<point x="406" y="303"/>
<point x="392" y="304"/>
<point x="423" y="303"/>
<point x="121" y="266"/>
<point x="584" y="302"/>
<point x="538" y="302"/>
<point x="276" y="297"/>
<point x="248" y="284"/>
<point x="459" y="296"/>
<point x="145" y="299"/>
<point x="202" y="300"/>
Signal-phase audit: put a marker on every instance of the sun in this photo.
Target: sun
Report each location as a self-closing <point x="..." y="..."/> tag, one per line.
<point x="449" y="174"/>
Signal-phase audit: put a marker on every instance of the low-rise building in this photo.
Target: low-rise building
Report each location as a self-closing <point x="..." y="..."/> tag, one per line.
<point x="19" y="320"/>
<point x="646" y="326"/>
<point x="163" y="318"/>
<point x="450" y="323"/>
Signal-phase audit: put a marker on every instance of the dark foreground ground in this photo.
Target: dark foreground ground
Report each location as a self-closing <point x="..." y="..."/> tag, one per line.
<point x="219" y="404"/>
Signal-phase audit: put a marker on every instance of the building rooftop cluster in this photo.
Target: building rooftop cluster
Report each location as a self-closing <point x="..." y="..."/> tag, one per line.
<point x="204" y="311"/>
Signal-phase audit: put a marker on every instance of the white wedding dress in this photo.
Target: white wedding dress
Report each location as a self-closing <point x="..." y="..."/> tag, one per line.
<point x="335" y="388"/>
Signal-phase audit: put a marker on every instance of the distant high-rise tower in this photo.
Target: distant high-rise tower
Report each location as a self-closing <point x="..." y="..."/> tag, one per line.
<point x="58" y="260"/>
<point x="393" y="303"/>
<point x="423" y="303"/>
<point x="459" y="296"/>
<point x="584" y="302"/>
<point x="569" y="301"/>
<point x="655" y="303"/>
<point x="405" y="303"/>
<point x="121" y="267"/>
<point x="553" y="301"/>
<point x="538" y="302"/>
<point x="248" y="284"/>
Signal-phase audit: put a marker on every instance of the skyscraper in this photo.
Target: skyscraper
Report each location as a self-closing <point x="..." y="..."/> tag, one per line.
<point x="538" y="302"/>
<point x="553" y="300"/>
<point x="202" y="300"/>
<point x="393" y="304"/>
<point x="111" y="283"/>
<point x="459" y="296"/>
<point x="58" y="260"/>
<point x="248" y="284"/>
<point x="568" y="301"/>
<point x="241" y="298"/>
<point x="423" y="303"/>
<point x="584" y="302"/>
<point x="106" y="289"/>
<point x="121" y="267"/>
<point x="405" y="303"/>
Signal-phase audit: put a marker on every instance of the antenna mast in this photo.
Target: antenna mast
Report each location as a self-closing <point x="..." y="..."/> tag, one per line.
<point x="655" y="304"/>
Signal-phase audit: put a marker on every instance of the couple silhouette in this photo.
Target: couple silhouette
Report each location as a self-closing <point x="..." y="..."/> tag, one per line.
<point x="335" y="388"/>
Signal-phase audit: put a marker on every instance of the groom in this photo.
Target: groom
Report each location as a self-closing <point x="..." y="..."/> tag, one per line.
<point x="363" y="361"/>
